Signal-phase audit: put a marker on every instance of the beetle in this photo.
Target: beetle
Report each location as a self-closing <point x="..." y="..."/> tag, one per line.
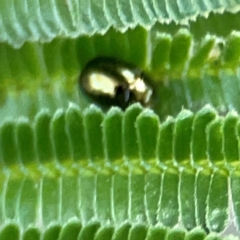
<point x="112" y="82"/>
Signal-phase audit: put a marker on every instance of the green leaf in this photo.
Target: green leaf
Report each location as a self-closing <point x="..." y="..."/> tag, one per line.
<point x="72" y="171"/>
<point x="148" y="189"/>
<point x="10" y="231"/>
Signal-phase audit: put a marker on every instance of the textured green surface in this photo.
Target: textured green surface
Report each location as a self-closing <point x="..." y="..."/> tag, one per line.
<point x="92" y="231"/>
<point x="145" y="188"/>
<point x="217" y="211"/>
<point x="182" y="134"/>
<point x="67" y="19"/>
<point x="147" y="127"/>
<point x="70" y="171"/>
<point x="186" y="192"/>
<point x="113" y="132"/>
<point x="201" y="120"/>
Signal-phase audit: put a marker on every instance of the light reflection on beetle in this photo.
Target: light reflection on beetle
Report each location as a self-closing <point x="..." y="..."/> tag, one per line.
<point x="111" y="82"/>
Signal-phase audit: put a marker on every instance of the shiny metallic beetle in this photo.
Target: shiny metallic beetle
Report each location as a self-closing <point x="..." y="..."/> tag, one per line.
<point x="110" y="82"/>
